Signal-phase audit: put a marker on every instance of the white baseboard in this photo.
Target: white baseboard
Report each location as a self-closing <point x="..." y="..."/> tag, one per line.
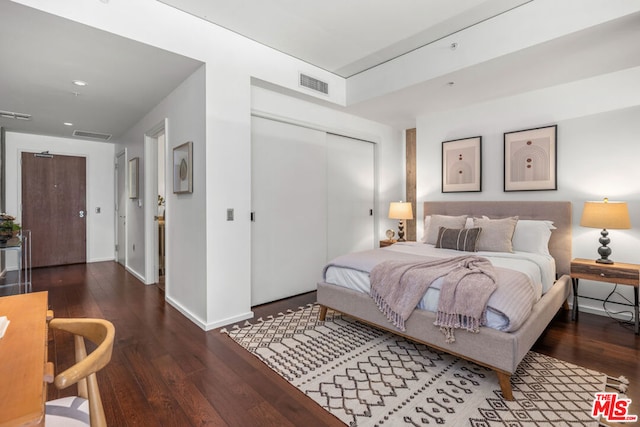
<point x="202" y="324"/>
<point x="135" y="273"/>
<point x="195" y="319"/>
<point x="599" y="311"/>
<point x="101" y="259"/>
<point x="230" y="320"/>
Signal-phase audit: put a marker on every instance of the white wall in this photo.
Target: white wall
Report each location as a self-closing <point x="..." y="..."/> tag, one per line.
<point x="598" y="151"/>
<point x="185" y="213"/>
<point x="100" y="173"/>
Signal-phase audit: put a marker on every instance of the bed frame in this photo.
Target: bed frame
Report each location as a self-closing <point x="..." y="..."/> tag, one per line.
<point x="497" y="350"/>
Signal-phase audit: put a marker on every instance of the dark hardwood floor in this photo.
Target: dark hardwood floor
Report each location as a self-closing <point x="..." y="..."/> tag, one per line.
<point x="165" y="371"/>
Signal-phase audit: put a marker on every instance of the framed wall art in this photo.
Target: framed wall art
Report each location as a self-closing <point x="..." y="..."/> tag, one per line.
<point x="183" y="168"/>
<point x="134" y="166"/>
<point x="530" y="161"/>
<point x="462" y="165"/>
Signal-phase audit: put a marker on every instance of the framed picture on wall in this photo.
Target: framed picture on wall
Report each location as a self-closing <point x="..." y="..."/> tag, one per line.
<point x="530" y="161"/>
<point x="183" y="168"/>
<point x="134" y="165"/>
<point x="462" y="165"/>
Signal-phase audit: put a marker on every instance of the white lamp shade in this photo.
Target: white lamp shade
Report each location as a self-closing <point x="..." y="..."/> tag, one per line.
<point x="400" y="210"/>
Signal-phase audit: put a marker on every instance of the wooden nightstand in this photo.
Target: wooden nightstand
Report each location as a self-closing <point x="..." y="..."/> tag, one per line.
<point x="385" y="243"/>
<point x="620" y="273"/>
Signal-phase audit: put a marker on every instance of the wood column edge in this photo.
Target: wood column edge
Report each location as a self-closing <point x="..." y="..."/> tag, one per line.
<point x="410" y="184"/>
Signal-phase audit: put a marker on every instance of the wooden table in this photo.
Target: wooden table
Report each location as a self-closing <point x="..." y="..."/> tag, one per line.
<point x="23" y="360"/>
<point x="385" y="243"/>
<point x="619" y="273"/>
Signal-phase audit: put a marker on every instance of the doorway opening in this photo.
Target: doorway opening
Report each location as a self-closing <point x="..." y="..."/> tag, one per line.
<point x="121" y="206"/>
<point x="156" y="206"/>
<point x="161" y="210"/>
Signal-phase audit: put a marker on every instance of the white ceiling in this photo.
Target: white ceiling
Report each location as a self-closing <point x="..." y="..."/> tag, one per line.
<point x="345" y="37"/>
<point x="597" y="50"/>
<point x="42" y="54"/>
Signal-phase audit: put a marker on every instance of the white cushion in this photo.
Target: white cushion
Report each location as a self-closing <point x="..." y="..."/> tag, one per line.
<point x="434" y="222"/>
<point x="532" y="236"/>
<point x="427" y="222"/>
<point x="70" y="411"/>
<point x="496" y="233"/>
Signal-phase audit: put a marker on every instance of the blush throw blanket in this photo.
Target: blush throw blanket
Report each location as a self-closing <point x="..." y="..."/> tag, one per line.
<point x="469" y="281"/>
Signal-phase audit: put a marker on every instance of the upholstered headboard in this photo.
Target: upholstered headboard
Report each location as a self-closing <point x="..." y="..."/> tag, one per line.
<point x="558" y="212"/>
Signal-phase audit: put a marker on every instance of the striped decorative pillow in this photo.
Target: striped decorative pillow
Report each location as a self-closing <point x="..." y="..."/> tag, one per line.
<point x="460" y="239"/>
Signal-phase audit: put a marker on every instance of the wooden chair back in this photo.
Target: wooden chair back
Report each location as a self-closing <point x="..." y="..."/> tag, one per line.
<point x="101" y="332"/>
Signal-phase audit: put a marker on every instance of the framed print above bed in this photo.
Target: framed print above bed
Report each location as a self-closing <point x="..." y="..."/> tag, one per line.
<point x="462" y="165"/>
<point x="183" y="168"/>
<point x="530" y="161"/>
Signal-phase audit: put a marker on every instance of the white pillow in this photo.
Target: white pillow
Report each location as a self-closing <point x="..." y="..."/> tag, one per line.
<point x="427" y="221"/>
<point x="433" y="223"/>
<point x="532" y="236"/>
<point x="496" y="233"/>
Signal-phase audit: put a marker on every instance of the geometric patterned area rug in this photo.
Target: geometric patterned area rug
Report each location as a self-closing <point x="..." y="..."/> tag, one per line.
<point x="369" y="377"/>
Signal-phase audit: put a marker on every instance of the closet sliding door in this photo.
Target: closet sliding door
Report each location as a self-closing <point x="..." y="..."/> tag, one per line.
<point x="288" y="197"/>
<point x="350" y="195"/>
<point x="312" y="196"/>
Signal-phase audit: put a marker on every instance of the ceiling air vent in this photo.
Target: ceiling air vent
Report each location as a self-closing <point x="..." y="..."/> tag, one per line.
<point x="14" y="115"/>
<point x="92" y="135"/>
<point x="314" y="84"/>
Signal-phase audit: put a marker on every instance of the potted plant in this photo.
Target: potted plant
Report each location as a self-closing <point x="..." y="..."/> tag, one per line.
<point x="16" y="229"/>
<point x="6" y="227"/>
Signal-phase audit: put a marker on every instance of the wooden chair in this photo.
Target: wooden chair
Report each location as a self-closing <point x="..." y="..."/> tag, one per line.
<point x="86" y="408"/>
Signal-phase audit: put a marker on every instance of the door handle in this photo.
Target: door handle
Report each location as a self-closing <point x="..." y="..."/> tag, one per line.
<point x="81" y="214"/>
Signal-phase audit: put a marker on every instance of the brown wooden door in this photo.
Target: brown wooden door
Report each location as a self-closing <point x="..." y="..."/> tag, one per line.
<point x="54" y="208"/>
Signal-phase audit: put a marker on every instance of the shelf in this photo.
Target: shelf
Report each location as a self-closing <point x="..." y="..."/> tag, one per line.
<point x="21" y="278"/>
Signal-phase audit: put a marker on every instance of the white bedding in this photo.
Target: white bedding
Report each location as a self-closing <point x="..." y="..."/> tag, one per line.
<point x="539" y="268"/>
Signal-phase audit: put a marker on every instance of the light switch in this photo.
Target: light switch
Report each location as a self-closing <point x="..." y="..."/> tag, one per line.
<point x="230" y="214"/>
<point x="98" y="210"/>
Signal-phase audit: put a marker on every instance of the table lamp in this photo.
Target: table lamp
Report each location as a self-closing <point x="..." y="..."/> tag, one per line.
<point x="401" y="211"/>
<point x="605" y="215"/>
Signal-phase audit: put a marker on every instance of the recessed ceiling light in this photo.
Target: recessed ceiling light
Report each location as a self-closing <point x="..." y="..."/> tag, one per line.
<point x="79" y="83"/>
<point x="68" y="124"/>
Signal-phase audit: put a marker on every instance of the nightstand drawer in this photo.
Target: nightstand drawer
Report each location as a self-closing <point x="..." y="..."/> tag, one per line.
<point x="615" y="273"/>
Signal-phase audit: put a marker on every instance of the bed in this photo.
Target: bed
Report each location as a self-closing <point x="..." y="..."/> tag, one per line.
<point x="499" y="350"/>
